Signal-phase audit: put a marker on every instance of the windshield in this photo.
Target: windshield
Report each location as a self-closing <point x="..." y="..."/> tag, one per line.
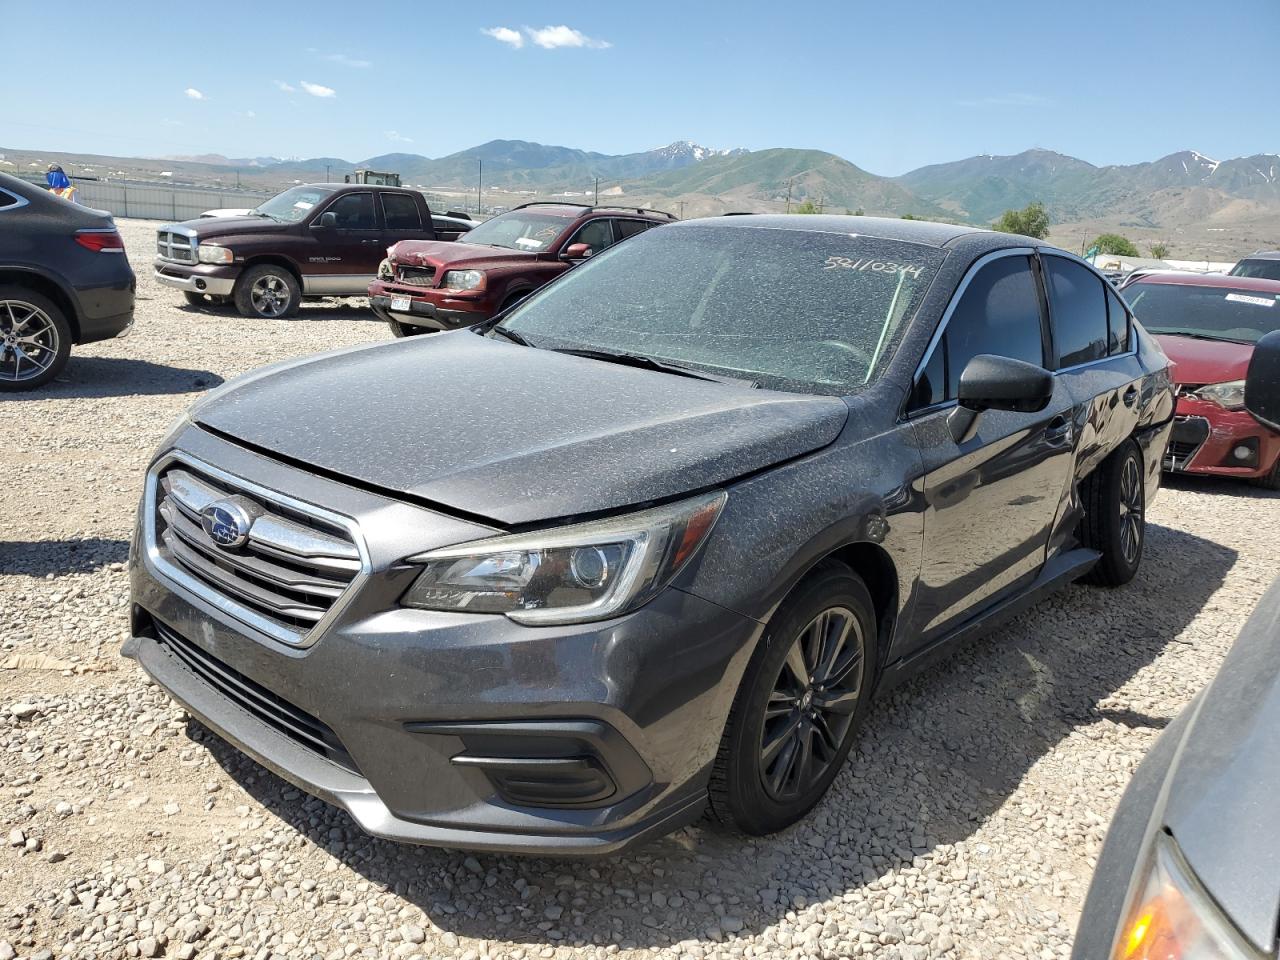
<point x="294" y="204"/>
<point x="518" y="230"/>
<point x="787" y="309"/>
<point x="1220" y="313"/>
<point x="1266" y="269"/>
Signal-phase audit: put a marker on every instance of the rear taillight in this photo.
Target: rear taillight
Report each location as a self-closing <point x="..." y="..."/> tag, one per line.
<point x="100" y="241"/>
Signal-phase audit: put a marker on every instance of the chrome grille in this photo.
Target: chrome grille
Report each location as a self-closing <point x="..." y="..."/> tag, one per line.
<point x="1189" y="435"/>
<point x="288" y="574"/>
<point x="417" y="276"/>
<point x="178" y="247"/>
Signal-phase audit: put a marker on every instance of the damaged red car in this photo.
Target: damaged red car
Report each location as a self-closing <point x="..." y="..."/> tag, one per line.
<point x="1208" y="325"/>
<point x="427" y="285"/>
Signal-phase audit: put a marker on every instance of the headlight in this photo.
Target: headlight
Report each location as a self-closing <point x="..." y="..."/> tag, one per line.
<point x="1229" y="395"/>
<point x="212" y="253"/>
<point x="463" y="279"/>
<point x="1171" y="917"/>
<point x="579" y="573"/>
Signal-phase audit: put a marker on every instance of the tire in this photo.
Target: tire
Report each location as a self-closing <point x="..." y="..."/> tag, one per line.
<point x="1115" y="519"/>
<point x="194" y="299"/>
<point x="399" y="329"/>
<point x="1269" y="481"/>
<point x="758" y="782"/>
<point x="268" y="292"/>
<point x="35" y="339"/>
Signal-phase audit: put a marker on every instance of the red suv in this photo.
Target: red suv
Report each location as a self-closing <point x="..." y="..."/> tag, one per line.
<point x="1208" y="325"/>
<point x="426" y="285"/>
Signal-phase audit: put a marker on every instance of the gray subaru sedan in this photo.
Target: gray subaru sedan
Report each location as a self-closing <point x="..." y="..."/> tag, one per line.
<point x="647" y="544"/>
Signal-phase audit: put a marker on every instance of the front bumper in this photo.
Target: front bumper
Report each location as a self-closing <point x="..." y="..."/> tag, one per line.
<point x="218" y="281"/>
<point x="438" y="723"/>
<point x="427" y="307"/>
<point x="1208" y="438"/>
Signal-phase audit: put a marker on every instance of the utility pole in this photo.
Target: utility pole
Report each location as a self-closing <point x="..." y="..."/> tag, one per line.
<point x="479" y="185"/>
<point x="326" y="173"/>
<point x="681" y="203"/>
<point x="788" y="196"/>
<point x="597" y="191"/>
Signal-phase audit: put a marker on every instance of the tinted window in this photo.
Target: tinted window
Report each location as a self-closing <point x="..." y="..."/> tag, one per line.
<point x="998" y="313"/>
<point x="598" y="234"/>
<point x="355" y="211"/>
<point x="1078" y="311"/>
<point x="400" y="212"/>
<point x="1215" y="313"/>
<point x="1266" y="269"/>
<point x="787" y="309"/>
<point x="629" y="228"/>
<point x="7" y="200"/>
<point x="1118" y="322"/>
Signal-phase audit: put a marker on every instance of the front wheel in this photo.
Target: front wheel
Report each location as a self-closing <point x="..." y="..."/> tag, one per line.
<point x="268" y="292"/>
<point x="1269" y="481"/>
<point x="35" y="339"/>
<point x="1115" y="517"/>
<point x="801" y="700"/>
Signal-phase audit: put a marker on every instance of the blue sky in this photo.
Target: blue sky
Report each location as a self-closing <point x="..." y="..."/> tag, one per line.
<point x="889" y="86"/>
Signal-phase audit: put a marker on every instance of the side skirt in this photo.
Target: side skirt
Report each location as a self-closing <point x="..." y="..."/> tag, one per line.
<point x="1057" y="573"/>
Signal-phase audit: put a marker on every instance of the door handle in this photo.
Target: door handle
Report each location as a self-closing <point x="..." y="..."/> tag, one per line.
<point x="1130" y="396"/>
<point x="1058" y="431"/>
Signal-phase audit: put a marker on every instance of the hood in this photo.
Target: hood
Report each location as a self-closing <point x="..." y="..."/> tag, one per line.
<point x="514" y="434"/>
<point x="1221" y="803"/>
<point x="207" y="228"/>
<point x="1205" y="361"/>
<point x="442" y="253"/>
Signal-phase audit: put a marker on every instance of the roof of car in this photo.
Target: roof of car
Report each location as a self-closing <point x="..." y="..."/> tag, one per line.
<point x="1218" y="280"/>
<point x="925" y="232"/>
<point x="1263" y="255"/>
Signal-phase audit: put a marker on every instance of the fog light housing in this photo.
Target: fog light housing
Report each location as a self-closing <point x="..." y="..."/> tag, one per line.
<point x="1244" y="453"/>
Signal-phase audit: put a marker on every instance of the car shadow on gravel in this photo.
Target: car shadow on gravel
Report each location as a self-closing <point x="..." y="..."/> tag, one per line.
<point x="1218" y="486"/>
<point x="119" y="377"/>
<point x="936" y="758"/>
<point x="40" y="558"/>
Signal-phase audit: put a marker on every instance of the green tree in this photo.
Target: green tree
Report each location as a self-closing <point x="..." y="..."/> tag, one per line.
<point x="807" y="207"/>
<point x="1115" y="245"/>
<point x="909" y="216"/>
<point x="1031" y="221"/>
<point x="1159" y="249"/>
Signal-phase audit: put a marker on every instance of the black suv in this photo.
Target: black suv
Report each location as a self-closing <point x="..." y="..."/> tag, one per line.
<point x="64" y="280"/>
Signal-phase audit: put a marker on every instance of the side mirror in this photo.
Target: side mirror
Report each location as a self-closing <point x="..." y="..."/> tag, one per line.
<point x="1262" y="382"/>
<point x="989" y="382"/>
<point x="327" y="220"/>
<point x="576" y="251"/>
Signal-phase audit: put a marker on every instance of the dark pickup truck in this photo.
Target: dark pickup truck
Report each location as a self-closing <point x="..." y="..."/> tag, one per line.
<point x="313" y="240"/>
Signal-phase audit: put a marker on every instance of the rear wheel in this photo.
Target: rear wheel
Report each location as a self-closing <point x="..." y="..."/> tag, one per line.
<point x="1115" y="520"/>
<point x="267" y="291"/>
<point x="799" y="706"/>
<point x="35" y="339"/>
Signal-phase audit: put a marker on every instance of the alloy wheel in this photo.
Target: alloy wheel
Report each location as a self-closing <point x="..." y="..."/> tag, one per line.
<point x="812" y="703"/>
<point x="270" y="296"/>
<point x="1131" y="508"/>
<point x="28" y="341"/>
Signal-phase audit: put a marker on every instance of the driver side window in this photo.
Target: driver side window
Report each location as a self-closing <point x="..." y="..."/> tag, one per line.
<point x="598" y="234"/>
<point x="354" y="212"/>
<point x="998" y="313"/>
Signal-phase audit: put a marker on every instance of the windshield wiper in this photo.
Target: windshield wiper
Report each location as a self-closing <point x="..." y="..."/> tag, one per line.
<point x="1197" y="336"/>
<point x="651" y="363"/>
<point x="509" y="334"/>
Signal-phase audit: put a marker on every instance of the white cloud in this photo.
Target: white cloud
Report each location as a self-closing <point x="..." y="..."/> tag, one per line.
<point x="193" y="93"/>
<point x="316" y="90"/>
<point x="505" y="35"/>
<point x="397" y="137"/>
<point x="550" y="38"/>
<point x="347" y="61"/>
<point x="250" y="114"/>
<point x="286" y="87"/>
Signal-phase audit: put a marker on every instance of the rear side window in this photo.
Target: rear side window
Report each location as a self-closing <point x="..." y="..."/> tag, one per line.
<point x="629" y="228"/>
<point x="998" y="313"/>
<point x="597" y="234"/>
<point x="1117" y="323"/>
<point x="354" y="211"/>
<point x="1266" y="269"/>
<point x="400" y="212"/>
<point x="1077" y="310"/>
<point x="7" y="199"/>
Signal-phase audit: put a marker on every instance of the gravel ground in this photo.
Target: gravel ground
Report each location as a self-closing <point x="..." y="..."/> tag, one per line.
<point x="965" y="824"/>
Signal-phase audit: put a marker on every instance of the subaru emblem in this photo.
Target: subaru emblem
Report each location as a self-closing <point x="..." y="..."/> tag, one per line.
<point x="227" y="522"/>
